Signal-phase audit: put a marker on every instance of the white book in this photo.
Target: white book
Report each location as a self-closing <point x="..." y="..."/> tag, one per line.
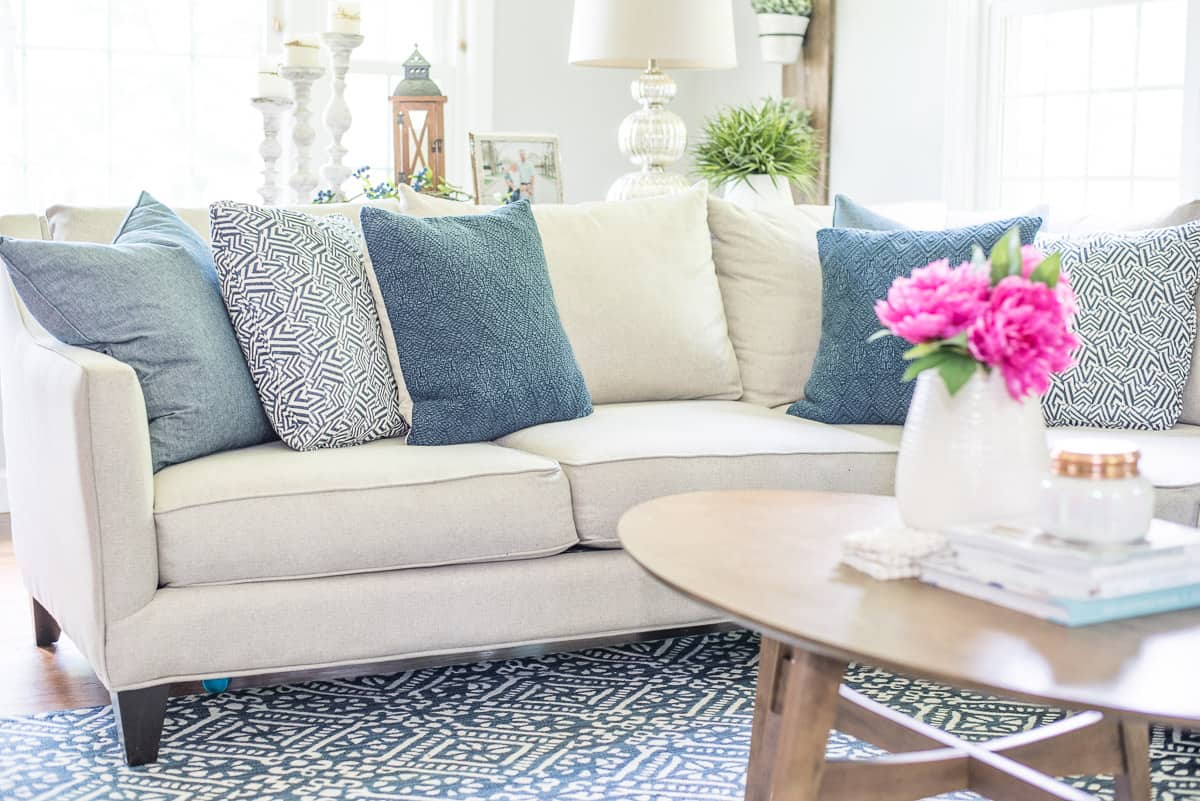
<point x="1028" y="545"/>
<point x="1024" y="577"/>
<point x="1067" y="611"/>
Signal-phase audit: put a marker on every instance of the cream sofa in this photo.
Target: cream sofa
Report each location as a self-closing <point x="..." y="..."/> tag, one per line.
<point x="265" y="559"/>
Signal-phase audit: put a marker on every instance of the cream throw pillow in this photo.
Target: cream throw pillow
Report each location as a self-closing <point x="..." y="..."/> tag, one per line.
<point x="770" y="277"/>
<point x="637" y="293"/>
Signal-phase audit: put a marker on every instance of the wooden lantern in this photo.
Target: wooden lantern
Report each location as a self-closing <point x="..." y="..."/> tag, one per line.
<point x="418" y="123"/>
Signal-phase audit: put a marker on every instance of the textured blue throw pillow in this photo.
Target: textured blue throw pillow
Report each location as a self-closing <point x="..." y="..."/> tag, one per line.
<point x="477" y="330"/>
<point x="855" y="381"/>
<point x="848" y="214"/>
<point x="150" y="300"/>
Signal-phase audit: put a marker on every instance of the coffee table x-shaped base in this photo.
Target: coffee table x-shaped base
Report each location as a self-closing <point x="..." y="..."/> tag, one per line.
<point x="801" y="698"/>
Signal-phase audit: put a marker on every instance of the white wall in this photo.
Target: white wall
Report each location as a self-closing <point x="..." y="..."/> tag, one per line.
<point x="887" y="135"/>
<point x="889" y="95"/>
<point x="535" y="90"/>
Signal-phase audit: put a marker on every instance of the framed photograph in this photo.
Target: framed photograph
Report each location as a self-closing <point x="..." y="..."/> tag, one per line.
<point x="511" y="167"/>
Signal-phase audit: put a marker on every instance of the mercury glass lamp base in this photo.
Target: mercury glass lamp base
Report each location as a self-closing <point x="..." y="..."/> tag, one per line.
<point x="633" y="185"/>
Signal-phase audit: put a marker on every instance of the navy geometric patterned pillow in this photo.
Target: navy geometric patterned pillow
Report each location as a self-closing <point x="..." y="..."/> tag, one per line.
<point x="1136" y="325"/>
<point x="855" y="381"/>
<point x="298" y="295"/>
<point x="477" y="330"/>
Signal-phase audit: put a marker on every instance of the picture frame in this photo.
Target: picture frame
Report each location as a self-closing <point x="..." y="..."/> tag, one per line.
<point x="507" y="167"/>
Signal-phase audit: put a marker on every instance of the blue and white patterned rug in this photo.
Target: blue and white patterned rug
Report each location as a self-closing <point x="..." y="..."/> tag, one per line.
<point x="641" y="722"/>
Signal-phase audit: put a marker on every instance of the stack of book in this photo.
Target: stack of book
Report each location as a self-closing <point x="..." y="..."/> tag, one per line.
<point x="1069" y="583"/>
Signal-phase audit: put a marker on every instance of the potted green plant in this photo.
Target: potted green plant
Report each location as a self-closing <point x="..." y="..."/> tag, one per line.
<point x="754" y="153"/>
<point x="781" y="27"/>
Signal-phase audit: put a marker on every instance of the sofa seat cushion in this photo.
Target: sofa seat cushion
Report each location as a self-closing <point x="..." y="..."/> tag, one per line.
<point x="269" y="512"/>
<point x="632" y="452"/>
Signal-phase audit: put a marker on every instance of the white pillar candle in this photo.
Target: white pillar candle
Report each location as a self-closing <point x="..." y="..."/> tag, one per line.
<point x="303" y="51"/>
<point x="270" y="84"/>
<point x="345" y="17"/>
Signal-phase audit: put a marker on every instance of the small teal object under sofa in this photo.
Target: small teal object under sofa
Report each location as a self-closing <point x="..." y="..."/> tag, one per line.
<point x="694" y="325"/>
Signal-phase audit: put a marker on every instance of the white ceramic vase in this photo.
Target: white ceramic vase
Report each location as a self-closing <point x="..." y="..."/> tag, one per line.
<point x="781" y="37"/>
<point x="759" y="192"/>
<point x="972" y="458"/>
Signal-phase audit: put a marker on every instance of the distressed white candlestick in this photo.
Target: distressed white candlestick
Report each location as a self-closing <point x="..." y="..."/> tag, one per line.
<point x="337" y="113"/>
<point x="304" y="180"/>
<point x="272" y="109"/>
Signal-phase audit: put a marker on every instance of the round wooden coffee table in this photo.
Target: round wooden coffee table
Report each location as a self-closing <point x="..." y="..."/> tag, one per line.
<point x="769" y="559"/>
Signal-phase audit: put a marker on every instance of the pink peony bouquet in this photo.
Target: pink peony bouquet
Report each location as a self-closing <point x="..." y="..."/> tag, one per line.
<point x="1011" y="311"/>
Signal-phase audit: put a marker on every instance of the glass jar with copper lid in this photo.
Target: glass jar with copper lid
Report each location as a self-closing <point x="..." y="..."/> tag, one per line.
<point x="1095" y="493"/>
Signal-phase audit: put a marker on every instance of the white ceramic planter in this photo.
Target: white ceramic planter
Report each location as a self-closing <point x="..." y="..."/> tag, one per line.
<point x="781" y="37"/>
<point x="976" y="457"/>
<point x="759" y="192"/>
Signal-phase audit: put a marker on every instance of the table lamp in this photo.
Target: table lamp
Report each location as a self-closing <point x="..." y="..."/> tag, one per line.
<point x="657" y="35"/>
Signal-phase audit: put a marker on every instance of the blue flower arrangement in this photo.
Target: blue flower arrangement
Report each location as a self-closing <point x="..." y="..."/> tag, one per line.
<point x="420" y="182"/>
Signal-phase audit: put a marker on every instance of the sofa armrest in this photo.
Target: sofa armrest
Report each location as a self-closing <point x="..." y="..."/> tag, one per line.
<point x="80" y="482"/>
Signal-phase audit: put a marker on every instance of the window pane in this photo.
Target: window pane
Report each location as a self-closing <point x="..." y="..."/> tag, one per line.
<point x="1030" y="48"/>
<point x="151" y="125"/>
<point x="1162" y="44"/>
<point x="394" y="26"/>
<point x="1158" y="136"/>
<point x="1109" y="195"/>
<point x="228" y="27"/>
<point x="10" y="26"/>
<point x="369" y="140"/>
<point x="226" y="133"/>
<point x="67" y="23"/>
<point x="152" y="26"/>
<point x="1066" y="130"/>
<point x="1068" y="41"/>
<point x="1023" y="137"/>
<point x="68" y="158"/>
<point x="1114" y="60"/>
<point x="1068" y="194"/>
<point x="12" y="118"/>
<point x="1017" y="194"/>
<point x="1110" y="134"/>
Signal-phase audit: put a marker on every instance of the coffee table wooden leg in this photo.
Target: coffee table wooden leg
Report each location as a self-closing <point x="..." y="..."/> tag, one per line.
<point x="795" y="708"/>
<point x="1134" y="783"/>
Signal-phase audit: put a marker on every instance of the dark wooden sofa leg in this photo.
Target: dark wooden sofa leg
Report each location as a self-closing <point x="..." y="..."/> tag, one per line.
<point x="45" y="628"/>
<point x="140" y="715"/>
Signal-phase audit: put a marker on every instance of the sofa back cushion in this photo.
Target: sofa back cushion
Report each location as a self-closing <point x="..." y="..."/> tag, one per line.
<point x="770" y="277"/>
<point x="100" y="223"/>
<point x="21" y="226"/>
<point x="637" y="292"/>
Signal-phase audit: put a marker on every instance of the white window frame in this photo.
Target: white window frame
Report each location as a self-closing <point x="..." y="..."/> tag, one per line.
<point x="974" y="69"/>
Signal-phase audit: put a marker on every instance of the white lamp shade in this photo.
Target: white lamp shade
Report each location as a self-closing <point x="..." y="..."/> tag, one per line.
<point x="680" y="34"/>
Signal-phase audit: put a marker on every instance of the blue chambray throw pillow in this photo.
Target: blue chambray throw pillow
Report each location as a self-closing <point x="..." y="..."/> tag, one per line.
<point x="298" y="295"/>
<point x="848" y="214"/>
<point x="477" y="330"/>
<point x="855" y="381"/>
<point x="150" y="300"/>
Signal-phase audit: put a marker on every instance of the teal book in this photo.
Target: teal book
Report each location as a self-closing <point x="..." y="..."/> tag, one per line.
<point x="1067" y="611"/>
<point x="1099" y="610"/>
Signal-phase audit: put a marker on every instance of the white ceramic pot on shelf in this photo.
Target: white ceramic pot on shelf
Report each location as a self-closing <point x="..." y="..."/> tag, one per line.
<point x="781" y="37"/>
<point x="978" y="456"/>
<point x="759" y="192"/>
